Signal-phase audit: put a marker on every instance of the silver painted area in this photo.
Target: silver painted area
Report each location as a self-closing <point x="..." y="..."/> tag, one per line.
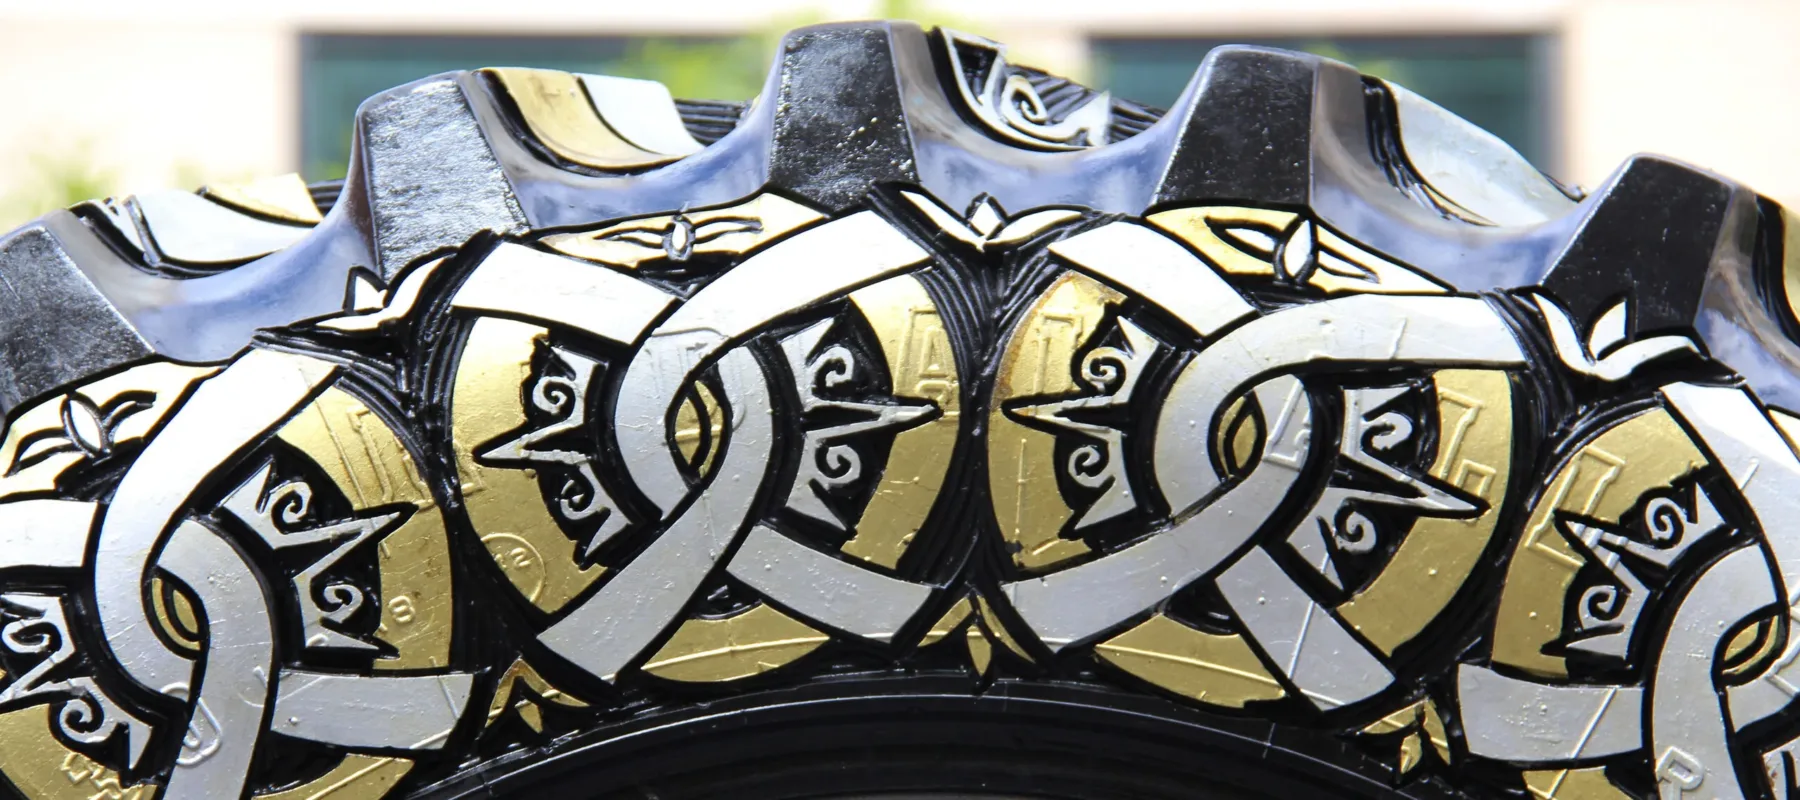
<point x="88" y="714"/>
<point x="1160" y="269"/>
<point x="192" y="229"/>
<point x="1472" y="168"/>
<point x="641" y="112"/>
<point x="1690" y="734"/>
<point x="1304" y="640"/>
<point x="1520" y="721"/>
<point x="1366" y="426"/>
<point x="224" y="412"/>
<point x="946" y="221"/>
<point x="1746" y="444"/>
<point x="1010" y="107"/>
<point x="1605" y="355"/>
<point x="1088" y="599"/>
<point x="824" y="588"/>
<point x="1414" y="331"/>
<point x="412" y="712"/>
<point x="1622" y="600"/>
<point x="517" y="280"/>
<point x="1758" y="460"/>
<point x="226" y="720"/>
<point x="45" y="533"/>
<point x="797" y="272"/>
<point x="581" y="497"/>
<point x="616" y="624"/>
<point x="1026" y="227"/>
<point x="370" y="309"/>
<point x="279" y="516"/>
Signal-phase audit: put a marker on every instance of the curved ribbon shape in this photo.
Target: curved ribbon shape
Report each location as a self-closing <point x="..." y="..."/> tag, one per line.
<point x="794" y="273"/>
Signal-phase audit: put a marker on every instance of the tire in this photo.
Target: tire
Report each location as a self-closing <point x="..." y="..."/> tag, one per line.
<point x="1298" y="441"/>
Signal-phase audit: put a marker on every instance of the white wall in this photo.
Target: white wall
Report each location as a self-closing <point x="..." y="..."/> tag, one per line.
<point x="1713" y="83"/>
<point x="151" y="103"/>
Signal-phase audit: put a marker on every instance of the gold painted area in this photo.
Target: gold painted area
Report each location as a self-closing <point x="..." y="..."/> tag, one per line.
<point x="47" y="438"/>
<point x="730" y="230"/>
<point x="1242" y="429"/>
<point x="700" y="418"/>
<point x="981" y="651"/>
<point x="919" y="359"/>
<point x="1024" y="228"/>
<point x="283" y="197"/>
<point x="504" y="505"/>
<point x="1752" y="651"/>
<point x="1039" y="360"/>
<point x="1362" y="271"/>
<point x="1422" y="725"/>
<point x="357" y="777"/>
<point x="1196" y="227"/>
<point x="526" y="707"/>
<point x="1219" y="669"/>
<point x="559" y="114"/>
<point x="41" y="768"/>
<point x="174" y="614"/>
<point x="1601" y="480"/>
<point x="998" y="629"/>
<point x="1434" y="560"/>
<point x="372" y="468"/>
<point x="947" y="623"/>
<point x="1572" y="784"/>
<point x="750" y="642"/>
<point x="1245" y="241"/>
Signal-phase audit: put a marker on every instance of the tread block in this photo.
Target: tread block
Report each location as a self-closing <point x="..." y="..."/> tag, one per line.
<point x="431" y="179"/>
<point x="840" y="124"/>
<point x="1652" y="235"/>
<point x="55" y="325"/>
<point x="1246" y="133"/>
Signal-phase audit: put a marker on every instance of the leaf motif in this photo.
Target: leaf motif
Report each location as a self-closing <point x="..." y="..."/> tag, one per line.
<point x="1298" y="256"/>
<point x="39" y="446"/>
<point x="1609" y="331"/>
<point x="724" y="226"/>
<point x="642" y="237"/>
<point x="1251" y="240"/>
<point x="1411" y="749"/>
<point x="1345" y="268"/>
<point x="84" y="425"/>
<point x="678" y="241"/>
<point x="124" y="406"/>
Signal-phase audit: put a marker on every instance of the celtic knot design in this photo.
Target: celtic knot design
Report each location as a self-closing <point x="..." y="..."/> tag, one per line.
<point x="1226" y="454"/>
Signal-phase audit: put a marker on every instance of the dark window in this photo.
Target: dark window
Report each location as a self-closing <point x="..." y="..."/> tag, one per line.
<point x="1497" y="82"/>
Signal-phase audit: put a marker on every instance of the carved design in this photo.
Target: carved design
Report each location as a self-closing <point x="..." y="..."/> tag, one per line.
<point x="826" y="461"/>
<point x="38" y="627"/>
<point x="581" y="495"/>
<point x="722" y="447"/>
<point x="1010" y="106"/>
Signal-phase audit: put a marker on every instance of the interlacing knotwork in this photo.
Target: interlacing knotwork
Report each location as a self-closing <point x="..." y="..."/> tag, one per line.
<point x="1227" y="452"/>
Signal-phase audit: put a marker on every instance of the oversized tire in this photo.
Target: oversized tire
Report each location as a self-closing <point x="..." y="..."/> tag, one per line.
<point x="930" y="426"/>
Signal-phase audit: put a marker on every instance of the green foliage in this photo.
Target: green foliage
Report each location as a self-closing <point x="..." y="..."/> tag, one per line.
<point x="728" y="70"/>
<point x="734" y="69"/>
<point x="56" y="181"/>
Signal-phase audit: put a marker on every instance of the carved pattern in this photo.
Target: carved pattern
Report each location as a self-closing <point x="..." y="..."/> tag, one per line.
<point x="704" y="389"/>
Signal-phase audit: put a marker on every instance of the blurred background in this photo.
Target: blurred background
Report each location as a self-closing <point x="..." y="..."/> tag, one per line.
<point x="104" y="96"/>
